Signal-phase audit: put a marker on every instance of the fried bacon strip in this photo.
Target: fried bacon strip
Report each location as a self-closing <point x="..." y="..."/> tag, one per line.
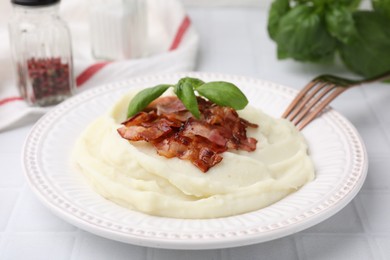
<point x="171" y="129"/>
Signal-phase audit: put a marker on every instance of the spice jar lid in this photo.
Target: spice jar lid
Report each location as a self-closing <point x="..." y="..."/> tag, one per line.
<point x="34" y="2"/>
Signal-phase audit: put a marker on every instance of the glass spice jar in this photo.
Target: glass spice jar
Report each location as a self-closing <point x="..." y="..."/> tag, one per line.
<point x="42" y="52"/>
<point x="118" y="29"/>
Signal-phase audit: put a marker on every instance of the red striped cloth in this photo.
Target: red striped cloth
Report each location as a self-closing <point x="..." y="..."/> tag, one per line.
<point x="90" y="71"/>
<point x="179" y="55"/>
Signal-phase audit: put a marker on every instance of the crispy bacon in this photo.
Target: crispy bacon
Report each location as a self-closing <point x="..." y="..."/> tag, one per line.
<point x="171" y="129"/>
<point x="215" y="134"/>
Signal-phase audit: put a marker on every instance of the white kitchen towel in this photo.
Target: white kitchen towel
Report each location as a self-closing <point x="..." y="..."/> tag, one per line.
<point x="173" y="47"/>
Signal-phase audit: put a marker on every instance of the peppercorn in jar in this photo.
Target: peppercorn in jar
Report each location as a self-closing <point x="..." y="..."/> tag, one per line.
<point x="42" y="53"/>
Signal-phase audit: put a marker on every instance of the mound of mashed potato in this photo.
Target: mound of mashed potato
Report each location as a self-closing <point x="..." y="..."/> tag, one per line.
<point x="133" y="175"/>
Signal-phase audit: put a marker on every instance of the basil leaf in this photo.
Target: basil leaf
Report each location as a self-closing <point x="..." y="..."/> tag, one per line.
<point x="369" y="54"/>
<point x="303" y="36"/>
<point x="185" y="93"/>
<point x="340" y="23"/>
<point x="223" y="94"/>
<point x="144" y="98"/>
<point x="382" y="6"/>
<point x="278" y="9"/>
<point x="193" y="81"/>
<point x="351" y="4"/>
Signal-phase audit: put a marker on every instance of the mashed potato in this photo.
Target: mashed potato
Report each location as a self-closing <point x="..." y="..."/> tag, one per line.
<point x="135" y="176"/>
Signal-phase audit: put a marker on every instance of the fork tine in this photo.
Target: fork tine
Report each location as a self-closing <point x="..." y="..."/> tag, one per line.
<point x="309" y="95"/>
<point x="312" y="100"/>
<point x="316" y="95"/>
<point x="337" y="91"/>
<point x="298" y="98"/>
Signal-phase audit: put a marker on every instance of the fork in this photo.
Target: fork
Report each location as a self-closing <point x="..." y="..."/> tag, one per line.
<point x="317" y="94"/>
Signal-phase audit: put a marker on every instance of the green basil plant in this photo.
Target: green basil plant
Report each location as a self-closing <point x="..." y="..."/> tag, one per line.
<point x="317" y="30"/>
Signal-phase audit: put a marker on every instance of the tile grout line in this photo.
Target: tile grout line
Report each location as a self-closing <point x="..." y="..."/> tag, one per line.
<point x="377" y="117"/>
<point x="362" y="214"/>
<point x="369" y="235"/>
<point x="7" y="228"/>
<point x="11" y="220"/>
<point x="76" y="243"/>
<point x="298" y="243"/>
<point x="375" y="249"/>
<point x="381" y="253"/>
<point x="354" y="202"/>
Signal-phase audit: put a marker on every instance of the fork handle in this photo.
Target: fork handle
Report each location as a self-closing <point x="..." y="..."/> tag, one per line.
<point x="379" y="77"/>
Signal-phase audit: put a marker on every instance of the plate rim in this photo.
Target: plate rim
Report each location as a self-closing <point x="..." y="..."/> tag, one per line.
<point x="311" y="218"/>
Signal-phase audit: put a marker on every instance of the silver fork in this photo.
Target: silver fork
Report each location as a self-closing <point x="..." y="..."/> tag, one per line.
<point x="317" y="94"/>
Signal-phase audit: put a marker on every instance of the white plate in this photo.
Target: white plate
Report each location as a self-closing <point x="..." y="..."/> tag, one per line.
<point x="337" y="150"/>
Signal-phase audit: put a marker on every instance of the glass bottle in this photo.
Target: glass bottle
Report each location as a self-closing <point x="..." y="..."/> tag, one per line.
<point x="118" y="29"/>
<point x="42" y="52"/>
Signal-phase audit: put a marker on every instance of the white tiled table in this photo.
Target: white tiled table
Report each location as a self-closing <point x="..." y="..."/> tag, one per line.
<point x="233" y="40"/>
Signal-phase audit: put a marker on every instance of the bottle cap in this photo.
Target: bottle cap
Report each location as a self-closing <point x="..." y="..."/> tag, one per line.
<point x="34" y="2"/>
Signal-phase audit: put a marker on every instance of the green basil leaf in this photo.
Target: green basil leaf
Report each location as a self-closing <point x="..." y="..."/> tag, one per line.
<point x="193" y="81"/>
<point x="278" y="9"/>
<point x="351" y="4"/>
<point x="340" y="23"/>
<point x="382" y="6"/>
<point x="303" y="36"/>
<point x="186" y="94"/>
<point x="369" y="54"/>
<point x="144" y="98"/>
<point x="223" y="94"/>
